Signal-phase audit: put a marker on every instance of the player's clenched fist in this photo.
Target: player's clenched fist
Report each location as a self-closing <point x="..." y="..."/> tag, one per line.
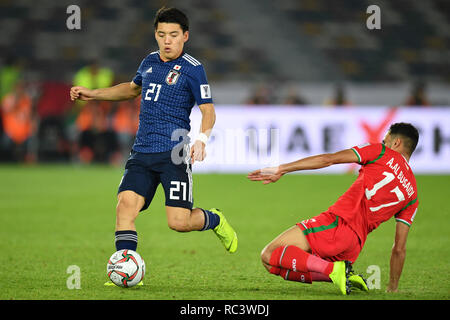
<point x="81" y="93"/>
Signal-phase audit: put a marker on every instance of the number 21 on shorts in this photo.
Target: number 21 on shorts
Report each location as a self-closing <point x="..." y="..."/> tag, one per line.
<point x="176" y="187"/>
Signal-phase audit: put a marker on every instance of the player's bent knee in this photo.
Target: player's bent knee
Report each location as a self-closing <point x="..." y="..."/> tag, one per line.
<point x="128" y="206"/>
<point x="266" y="253"/>
<point x="129" y="201"/>
<point x="125" y="210"/>
<point x="178" y="219"/>
<point x="179" y="223"/>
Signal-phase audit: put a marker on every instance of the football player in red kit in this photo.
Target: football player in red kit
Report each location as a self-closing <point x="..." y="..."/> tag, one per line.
<point x="323" y="248"/>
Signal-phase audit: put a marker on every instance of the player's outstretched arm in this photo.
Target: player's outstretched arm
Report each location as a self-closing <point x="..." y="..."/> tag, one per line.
<point x="273" y="174"/>
<point x="398" y="255"/>
<point x="122" y="91"/>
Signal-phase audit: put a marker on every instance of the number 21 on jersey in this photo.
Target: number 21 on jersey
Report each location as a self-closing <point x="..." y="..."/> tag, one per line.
<point x="388" y="177"/>
<point x="151" y="91"/>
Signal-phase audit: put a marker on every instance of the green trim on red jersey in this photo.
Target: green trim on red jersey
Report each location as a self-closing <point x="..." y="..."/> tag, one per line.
<point x="321" y="228"/>
<point x="357" y="154"/>
<point x="409" y="203"/>
<point x="383" y="150"/>
<point x="403" y="221"/>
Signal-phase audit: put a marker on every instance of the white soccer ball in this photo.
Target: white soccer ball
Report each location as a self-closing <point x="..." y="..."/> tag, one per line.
<point x="125" y="268"/>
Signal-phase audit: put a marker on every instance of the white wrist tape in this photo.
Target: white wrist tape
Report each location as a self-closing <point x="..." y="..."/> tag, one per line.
<point x="202" y="137"/>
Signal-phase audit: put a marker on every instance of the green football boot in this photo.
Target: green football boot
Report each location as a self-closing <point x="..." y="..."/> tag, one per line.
<point x="225" y="232"/>
<point x="111" y="284"/>
<point x="357" y="281"/>
<point x="339" y="276"/>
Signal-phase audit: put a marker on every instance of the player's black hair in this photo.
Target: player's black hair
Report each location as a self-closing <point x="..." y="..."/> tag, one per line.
<point x="172" y="15"/>
<point x="409" y="133"/>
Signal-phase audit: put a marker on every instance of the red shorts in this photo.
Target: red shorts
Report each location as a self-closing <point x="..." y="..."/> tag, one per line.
<point x="330" y="237"/>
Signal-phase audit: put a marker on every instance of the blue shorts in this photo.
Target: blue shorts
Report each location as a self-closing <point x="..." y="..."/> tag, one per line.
<point x="145" y="171"/>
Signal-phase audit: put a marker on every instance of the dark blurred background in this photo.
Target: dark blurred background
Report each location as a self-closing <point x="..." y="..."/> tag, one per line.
<point x="313" y="53"/>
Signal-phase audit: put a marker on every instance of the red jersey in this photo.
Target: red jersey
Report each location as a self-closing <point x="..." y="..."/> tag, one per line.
<point x="385" y="187"/>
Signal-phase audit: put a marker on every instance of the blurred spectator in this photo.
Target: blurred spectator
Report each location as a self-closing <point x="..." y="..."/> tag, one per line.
<point x="293" y="98"/>
<point x="93" y="76"/>
<point x="261" y="95"/>
<point x="54" y="100"/>
<point x="52" y="107"/>
<point x="2" y="151"/>
<point x="418" y="96"/>
<point x="339" y="98"/>
<point x="18" y="124"/>
<point x="96" y="139"/>
<point x="125" y="124"/>
<point x="10" y="74"/>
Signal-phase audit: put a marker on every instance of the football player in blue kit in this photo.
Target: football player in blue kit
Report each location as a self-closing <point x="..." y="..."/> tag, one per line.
<point x="170" y="82"/>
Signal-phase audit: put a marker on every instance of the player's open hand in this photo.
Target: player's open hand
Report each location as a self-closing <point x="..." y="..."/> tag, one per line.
<point x="266" y="175"/>
<point x="198" y="152"/>
<point x="80" y="93"/>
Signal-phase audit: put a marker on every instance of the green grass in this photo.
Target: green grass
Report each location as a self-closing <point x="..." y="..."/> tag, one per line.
<point x="52" y="217"/>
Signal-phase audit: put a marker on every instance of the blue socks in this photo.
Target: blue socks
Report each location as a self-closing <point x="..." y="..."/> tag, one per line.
<point x="126" y="239"/>
<point x="211" y="220"/>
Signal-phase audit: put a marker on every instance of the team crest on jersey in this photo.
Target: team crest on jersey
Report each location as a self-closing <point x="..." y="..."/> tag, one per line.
<point x="172" y="77"/>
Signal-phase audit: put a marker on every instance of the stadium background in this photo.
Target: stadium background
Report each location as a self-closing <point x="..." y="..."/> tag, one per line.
<point x="303" y="60"/>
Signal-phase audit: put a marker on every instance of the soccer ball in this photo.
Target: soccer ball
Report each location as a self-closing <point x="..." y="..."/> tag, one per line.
<point x="125" y="268"/>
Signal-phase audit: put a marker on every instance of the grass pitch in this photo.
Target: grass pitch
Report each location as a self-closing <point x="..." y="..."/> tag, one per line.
<point x="53" y="217"/>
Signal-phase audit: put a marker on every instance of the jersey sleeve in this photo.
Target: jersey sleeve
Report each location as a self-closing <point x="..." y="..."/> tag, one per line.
<point x="138" y="77"/>
<point x="407" y="214"/>
<point x="199" y="86"/>
<point x="368" y="153"/>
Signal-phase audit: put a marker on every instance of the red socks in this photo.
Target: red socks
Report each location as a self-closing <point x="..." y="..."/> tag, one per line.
<point x="292" y="263"/>
<point x="287" y="274"/>
<point x="305" y="277"/>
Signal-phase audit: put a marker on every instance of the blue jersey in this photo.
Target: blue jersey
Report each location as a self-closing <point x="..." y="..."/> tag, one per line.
<point x="169" y="91"/>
